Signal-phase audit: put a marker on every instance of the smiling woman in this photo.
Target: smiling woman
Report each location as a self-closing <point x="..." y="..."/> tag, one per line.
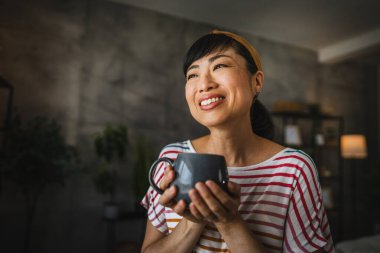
<point x="274" y="201"/>
<point x="220" y="90"/>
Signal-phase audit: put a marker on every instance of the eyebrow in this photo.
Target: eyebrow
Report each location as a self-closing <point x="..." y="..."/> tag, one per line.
<point x="212" y="59"/>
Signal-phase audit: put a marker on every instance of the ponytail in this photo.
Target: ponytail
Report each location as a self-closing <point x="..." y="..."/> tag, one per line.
<point x="261" y="121"/>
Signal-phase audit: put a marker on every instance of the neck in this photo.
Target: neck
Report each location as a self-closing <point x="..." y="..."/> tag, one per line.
<point x="235" y="142"/>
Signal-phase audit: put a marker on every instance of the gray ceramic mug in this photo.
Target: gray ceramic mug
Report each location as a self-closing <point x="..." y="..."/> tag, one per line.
<point x="191" y="168"/>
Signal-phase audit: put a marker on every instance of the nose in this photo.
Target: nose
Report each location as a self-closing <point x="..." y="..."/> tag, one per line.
<point x="207" y="83"/>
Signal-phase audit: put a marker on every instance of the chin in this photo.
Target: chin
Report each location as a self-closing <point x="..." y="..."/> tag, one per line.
<point x="210" y="122"/>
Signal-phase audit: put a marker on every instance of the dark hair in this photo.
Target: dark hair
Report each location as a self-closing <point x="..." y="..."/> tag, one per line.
<point x="210" y="43"/>
<point x="261" y="121"/>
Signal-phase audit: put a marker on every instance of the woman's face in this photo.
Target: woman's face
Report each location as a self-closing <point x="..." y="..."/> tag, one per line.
<point x="220" y="89"/>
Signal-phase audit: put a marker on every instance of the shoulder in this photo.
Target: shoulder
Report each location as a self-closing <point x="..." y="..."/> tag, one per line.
<point x="294" y="161"/>
<point x="286" y="154"/>
<point x="303" y="165"/>
<point x="299" y="157"/>
<point x="173" y="149"/>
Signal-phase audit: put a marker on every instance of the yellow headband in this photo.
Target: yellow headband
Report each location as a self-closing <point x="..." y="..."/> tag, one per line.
<point x="255" y="55"/>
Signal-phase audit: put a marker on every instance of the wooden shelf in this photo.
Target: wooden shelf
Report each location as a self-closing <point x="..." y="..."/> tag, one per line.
<point x="304" y="115"/>
<point x="324" y="156"/>
<point x="334" y="177"/>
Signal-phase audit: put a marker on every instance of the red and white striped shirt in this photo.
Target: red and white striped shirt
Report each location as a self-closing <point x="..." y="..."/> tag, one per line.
<point x="281" y="202"/>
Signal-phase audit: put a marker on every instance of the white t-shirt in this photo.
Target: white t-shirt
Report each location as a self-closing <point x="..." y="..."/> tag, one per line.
<point x="281" y="203"/>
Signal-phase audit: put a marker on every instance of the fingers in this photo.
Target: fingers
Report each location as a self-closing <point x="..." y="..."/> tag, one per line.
<point x="202" y="210"/>
<point x="209" y="202"/>
<point x="169" y="176"/>
<point x="217" y="200"/>
<point x="195" y="212"/>
<point x="180" y="207"/>
<point x="205" y="205"/>
<point x="224" y="198"/>
<point x="167" y="197"/>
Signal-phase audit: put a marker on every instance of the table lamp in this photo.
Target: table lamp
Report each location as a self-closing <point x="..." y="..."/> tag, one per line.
<point x="353" y="146"/>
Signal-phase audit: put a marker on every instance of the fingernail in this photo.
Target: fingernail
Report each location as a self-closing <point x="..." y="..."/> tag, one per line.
<point x="209" y="182"/>
<point x="198" y="185"/>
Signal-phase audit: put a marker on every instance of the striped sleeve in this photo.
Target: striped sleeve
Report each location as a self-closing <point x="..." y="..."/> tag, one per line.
<point x="156" y="212"/>
<point x="305" y="218"/>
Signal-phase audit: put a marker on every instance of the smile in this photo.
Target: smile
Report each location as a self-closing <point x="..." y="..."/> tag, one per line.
<point x="211" y="100"/>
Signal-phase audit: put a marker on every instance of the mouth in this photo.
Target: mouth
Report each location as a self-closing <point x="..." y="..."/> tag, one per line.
<point x="211" y="102"/>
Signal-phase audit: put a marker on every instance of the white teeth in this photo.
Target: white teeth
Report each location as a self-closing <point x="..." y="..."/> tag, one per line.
<point x="211" y="100"/>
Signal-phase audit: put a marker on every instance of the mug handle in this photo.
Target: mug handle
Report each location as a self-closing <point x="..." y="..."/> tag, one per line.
<point x="153" y="169"/>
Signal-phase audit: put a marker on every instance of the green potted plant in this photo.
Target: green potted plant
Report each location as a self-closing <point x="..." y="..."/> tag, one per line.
<point x="143" y="159"/>
<point x="110" y="148"/>
<point x="36" y="156"/>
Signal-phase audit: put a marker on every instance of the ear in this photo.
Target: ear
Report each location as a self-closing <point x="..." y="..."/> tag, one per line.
<point x="258" y="81"/>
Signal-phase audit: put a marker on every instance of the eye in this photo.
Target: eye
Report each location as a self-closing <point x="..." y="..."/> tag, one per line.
<point x="220" y="65"/>
<point x="190" y="76"/>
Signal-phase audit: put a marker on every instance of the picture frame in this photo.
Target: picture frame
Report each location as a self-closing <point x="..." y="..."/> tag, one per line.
<point x="292" y="135"/>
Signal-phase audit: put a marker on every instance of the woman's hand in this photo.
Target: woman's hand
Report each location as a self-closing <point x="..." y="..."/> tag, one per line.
<point x="167" y="198"/>
<point x="210" y="203"/>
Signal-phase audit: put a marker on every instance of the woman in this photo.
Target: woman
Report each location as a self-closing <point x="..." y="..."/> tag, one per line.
<point x="274" y="200"/>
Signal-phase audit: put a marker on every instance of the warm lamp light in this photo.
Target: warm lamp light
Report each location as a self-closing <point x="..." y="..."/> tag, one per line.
<point x="353" y="146"/>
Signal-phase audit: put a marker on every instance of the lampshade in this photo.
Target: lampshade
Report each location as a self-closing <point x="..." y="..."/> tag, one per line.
<point x="353" y="146"/>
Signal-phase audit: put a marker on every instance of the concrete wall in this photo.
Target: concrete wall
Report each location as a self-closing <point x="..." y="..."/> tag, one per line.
<point x="378" y="108"/>
<point x="88" y="63"/>
<point x="351" y="89"/>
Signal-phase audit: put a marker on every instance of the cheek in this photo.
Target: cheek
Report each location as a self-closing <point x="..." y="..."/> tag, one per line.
<point x="234" y="80"/>
<point x="191" y="102"/>
<point x="225" y="78"/>
<point x="243" y="93"/>
<point x="189" y="94"/>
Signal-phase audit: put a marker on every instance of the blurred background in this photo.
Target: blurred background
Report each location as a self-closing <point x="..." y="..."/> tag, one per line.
<point x="91" y="90"/>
